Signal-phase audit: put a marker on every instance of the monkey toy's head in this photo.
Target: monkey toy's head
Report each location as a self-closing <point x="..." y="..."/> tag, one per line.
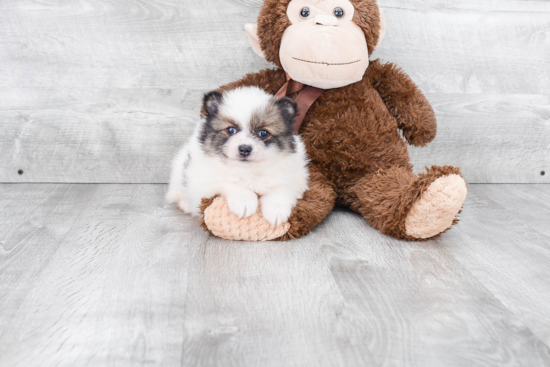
<point x="322" y="43"/>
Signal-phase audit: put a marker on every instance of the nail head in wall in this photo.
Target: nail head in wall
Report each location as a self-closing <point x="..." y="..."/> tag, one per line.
<point x="20" y="172"/>
<point x="542" y="173"/>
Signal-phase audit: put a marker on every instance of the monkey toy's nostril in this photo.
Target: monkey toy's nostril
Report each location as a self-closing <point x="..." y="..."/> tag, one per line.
<point x="245" y="150"/>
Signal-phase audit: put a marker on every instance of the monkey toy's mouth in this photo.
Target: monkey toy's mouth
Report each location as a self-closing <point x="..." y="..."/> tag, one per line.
<point x="327" y="63"/>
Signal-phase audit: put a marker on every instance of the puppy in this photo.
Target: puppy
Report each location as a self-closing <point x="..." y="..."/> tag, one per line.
<point x="245" y="148"/>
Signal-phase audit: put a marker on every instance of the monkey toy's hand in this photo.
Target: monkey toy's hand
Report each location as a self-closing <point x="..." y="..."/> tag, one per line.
<point x="405" y="102"/>
<point x="219" y="220"/>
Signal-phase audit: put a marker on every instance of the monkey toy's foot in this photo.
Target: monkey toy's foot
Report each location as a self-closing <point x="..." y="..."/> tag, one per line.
<point x="221" y="222"/>
<point x="436" y="211"/>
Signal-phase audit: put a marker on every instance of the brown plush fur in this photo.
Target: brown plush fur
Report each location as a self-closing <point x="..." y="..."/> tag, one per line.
<point x="358" y="158"/>
<point x="385" y="198"/>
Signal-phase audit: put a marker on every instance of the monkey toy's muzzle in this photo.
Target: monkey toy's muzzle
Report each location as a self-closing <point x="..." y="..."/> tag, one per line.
<point x="324" y="54"/>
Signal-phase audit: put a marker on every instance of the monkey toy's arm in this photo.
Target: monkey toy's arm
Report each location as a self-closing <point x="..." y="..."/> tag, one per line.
<point x="406" y="103"/>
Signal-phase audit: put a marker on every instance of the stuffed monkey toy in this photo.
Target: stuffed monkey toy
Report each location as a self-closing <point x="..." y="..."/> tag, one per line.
<point x="352" y="111"/>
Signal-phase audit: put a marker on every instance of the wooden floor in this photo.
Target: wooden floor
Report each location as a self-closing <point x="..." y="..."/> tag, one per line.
<point x="108" y="275"/>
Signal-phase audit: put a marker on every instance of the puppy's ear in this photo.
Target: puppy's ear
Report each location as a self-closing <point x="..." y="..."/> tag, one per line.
<point x="288" y="108"/>
<point x="211" y="102"/>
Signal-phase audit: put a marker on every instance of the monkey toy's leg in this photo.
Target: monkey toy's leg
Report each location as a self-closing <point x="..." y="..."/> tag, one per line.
<point x="406" y="206"/>
<point x="315" y="205"/>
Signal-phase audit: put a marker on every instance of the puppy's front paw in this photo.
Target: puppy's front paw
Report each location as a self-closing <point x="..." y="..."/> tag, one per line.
<point x="276" y="210"/>
<point x="243" y="204"/>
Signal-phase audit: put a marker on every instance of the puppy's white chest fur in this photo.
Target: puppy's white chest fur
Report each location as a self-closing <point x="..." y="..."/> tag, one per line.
<point x="242" y="153"/>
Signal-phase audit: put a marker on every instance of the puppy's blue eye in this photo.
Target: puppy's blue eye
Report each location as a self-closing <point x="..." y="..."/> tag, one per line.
<point x="305" y="12"/>
<point x="231" y="130"/>
<point x="339" y="12"/>
<point x="263" y="134"/>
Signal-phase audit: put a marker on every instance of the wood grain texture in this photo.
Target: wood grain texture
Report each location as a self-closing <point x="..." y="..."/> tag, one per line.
<point x="107" y="275"/>
<point x="505" y="243"/>
<point x="124" y="44"/>
<point x="98" y="91"/>
<point x="471" y="47"/>
<point x="90" y="275"/>
<point x="131" y="135"/>
<point x="493" y="138"/>
<point x="90" y="135"/>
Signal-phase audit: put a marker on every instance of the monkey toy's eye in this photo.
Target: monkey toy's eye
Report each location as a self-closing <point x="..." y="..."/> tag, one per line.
<point x="231" y="130"/>
<point x="304" y="13"/>
<point x="263" y="134"/>
<point x="339" y="12"/>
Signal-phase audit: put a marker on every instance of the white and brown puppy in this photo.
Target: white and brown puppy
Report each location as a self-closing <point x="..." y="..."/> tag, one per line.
<point x="245" y="148"/>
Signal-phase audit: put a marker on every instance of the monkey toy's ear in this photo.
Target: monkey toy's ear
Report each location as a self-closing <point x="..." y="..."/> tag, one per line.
<point x="252" y="33"/>
<point x="382" y="27"/>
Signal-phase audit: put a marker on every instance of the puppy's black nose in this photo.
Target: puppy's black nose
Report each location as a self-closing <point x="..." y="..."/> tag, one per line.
<point x="245" y="150"/>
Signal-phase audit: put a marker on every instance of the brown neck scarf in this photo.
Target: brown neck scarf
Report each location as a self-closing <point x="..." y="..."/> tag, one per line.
<point x="306" y="97"/>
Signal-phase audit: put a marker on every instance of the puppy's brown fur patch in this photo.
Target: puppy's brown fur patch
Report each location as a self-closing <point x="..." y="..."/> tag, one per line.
<point x="280" y="130"/>
<point x="214" y="134"/>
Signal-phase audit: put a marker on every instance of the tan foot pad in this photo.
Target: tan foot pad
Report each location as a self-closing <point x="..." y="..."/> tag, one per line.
<point x="225" y="224"/>
<point x="437" y="208"/>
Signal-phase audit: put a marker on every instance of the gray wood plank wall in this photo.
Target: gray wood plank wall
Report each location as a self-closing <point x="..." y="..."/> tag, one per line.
<point x="101" y="91"/>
